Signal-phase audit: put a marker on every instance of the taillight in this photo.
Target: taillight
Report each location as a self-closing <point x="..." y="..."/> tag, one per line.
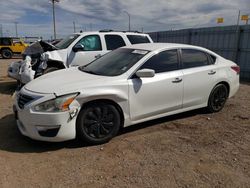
<point x="236" y="69"/>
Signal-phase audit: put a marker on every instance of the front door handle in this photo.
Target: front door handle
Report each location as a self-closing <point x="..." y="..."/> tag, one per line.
<point x="98" y="56"/>
<point x="177" y="80"/>
<point x="211" y="72"/>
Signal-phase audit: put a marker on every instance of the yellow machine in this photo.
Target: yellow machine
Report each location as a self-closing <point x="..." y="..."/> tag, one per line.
<point x="10" y="46"/>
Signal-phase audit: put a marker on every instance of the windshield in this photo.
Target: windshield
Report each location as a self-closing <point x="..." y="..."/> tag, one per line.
<point x="67" y="41"/>
<point x="114" y="63"/>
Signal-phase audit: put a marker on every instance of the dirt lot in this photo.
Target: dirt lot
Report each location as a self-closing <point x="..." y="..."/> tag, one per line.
<point x="193" y="149"/>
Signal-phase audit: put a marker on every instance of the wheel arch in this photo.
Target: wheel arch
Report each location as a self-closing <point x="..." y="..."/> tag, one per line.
<point x="107" y="101"/>
<point x="226" y="84"/>
<point x="4" y="48"/>
<point x="209" y="107"/>
<point x="57" y="64"/>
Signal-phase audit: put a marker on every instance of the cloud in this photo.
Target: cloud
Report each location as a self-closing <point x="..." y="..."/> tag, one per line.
<point x="147" y="14"/>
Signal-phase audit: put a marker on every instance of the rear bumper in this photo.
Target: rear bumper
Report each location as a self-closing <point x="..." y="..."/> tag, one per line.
<point x="234" y="86"/>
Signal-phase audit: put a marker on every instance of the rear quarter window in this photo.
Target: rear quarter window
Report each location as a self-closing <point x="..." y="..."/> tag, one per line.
<point x="137" y="39"/>
<point x="194" y="58"/>
<point x="212" y="59"/>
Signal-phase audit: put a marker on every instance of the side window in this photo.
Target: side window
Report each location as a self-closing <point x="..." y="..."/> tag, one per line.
<point x="91" y="43"/>
<point x="193" y="58"/>
<point x="137" y="39"/>
<point x="114" y="41"/>
<point x="162" y="62"/>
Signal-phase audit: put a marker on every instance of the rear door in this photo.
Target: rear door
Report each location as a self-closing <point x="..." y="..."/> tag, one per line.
<point x="113" y="41"/>
<point x="160" y="94"/>
<point x="199" y="76"/>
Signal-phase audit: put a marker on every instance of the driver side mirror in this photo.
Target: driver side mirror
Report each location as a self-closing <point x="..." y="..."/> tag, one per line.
<point x="145" y="73"/>
<point x="78" y="47"/>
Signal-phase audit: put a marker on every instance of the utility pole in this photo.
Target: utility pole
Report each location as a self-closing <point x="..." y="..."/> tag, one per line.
<point x="16" y="28"/>
<point x="128" y="19"/>
<point x="54" y="16"/>
<point x="1" y="30"/>
<point x="238" y="20"/>
<point x="74" y="25"/>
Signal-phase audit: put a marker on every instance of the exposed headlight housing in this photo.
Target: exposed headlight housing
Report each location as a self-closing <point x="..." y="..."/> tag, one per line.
<point x="59" y="104"/>
<point x="44" y="57"/>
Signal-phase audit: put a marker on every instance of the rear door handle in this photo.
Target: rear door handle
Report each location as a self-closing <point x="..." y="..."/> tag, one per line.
<point x="211" y="72"/>
<point x="177" y="80"/>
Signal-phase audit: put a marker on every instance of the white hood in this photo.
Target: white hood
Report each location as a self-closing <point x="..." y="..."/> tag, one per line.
<point x="65" y="81"/>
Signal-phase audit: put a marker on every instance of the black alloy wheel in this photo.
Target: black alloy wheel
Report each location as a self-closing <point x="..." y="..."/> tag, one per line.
<point x="217" y="98"/>
<point x="98" y="123"/>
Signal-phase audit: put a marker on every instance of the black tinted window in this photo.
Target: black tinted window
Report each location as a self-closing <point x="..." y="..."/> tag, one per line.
<point x="5" y="41"/>
<point x="194" y="58"/>
<point x="137" y="39"/>
<point x="114" y="41"/>
<point x="162" y="62"/>
<point x="63" y="44"/>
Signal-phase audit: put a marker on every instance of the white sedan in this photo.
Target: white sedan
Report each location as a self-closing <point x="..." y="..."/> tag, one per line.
<point x="124" y="87"/>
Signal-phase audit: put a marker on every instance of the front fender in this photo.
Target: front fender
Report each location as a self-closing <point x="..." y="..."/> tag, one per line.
<point x="118" y="97"/>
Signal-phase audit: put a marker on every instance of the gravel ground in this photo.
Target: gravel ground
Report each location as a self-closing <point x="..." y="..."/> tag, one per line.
<point x="193" y="149"/>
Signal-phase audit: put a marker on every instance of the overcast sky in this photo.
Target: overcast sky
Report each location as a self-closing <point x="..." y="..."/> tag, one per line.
<point x="34" y="17"/>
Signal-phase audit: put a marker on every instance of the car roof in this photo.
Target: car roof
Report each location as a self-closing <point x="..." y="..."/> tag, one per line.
<point x="164" y="46"/>
<point x="111" y="32"/>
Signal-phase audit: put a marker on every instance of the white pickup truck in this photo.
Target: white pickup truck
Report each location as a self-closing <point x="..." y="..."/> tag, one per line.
<point x="76" y="49"/>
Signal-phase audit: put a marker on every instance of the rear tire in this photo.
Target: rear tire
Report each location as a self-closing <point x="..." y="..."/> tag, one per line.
<point x="98" y="123"/>
<point x="50" y="69"/>
<point x="6" y="54"/>
<point x="217" y="98"/>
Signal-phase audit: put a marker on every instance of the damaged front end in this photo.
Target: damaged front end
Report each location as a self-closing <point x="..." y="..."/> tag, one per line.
<point x="33" y="63"/>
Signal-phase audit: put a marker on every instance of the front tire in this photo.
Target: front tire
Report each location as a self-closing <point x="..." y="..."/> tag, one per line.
<point x="6" y="54"/>
<point x="98" y="123"/>
<point x="217" y="98"/>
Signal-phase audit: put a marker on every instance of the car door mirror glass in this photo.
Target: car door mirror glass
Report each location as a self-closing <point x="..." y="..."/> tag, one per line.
<point x="78" y="47"/>
<point x="145" y="73"/>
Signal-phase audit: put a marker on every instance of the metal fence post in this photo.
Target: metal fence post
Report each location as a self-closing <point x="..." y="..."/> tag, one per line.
<point x="237" y="43"/>
<point x="189" y="36"/>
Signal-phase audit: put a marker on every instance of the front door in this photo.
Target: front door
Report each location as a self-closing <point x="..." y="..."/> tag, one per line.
<point x="92" y="50"/>
<point x="160" y="94"/>
<point x="199" y="77"/>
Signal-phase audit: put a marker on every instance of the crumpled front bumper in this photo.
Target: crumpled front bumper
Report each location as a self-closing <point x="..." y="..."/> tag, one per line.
<point x="20" y="72"/>
<point x="45" y="126"/>
<point x="13" y="70"/>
